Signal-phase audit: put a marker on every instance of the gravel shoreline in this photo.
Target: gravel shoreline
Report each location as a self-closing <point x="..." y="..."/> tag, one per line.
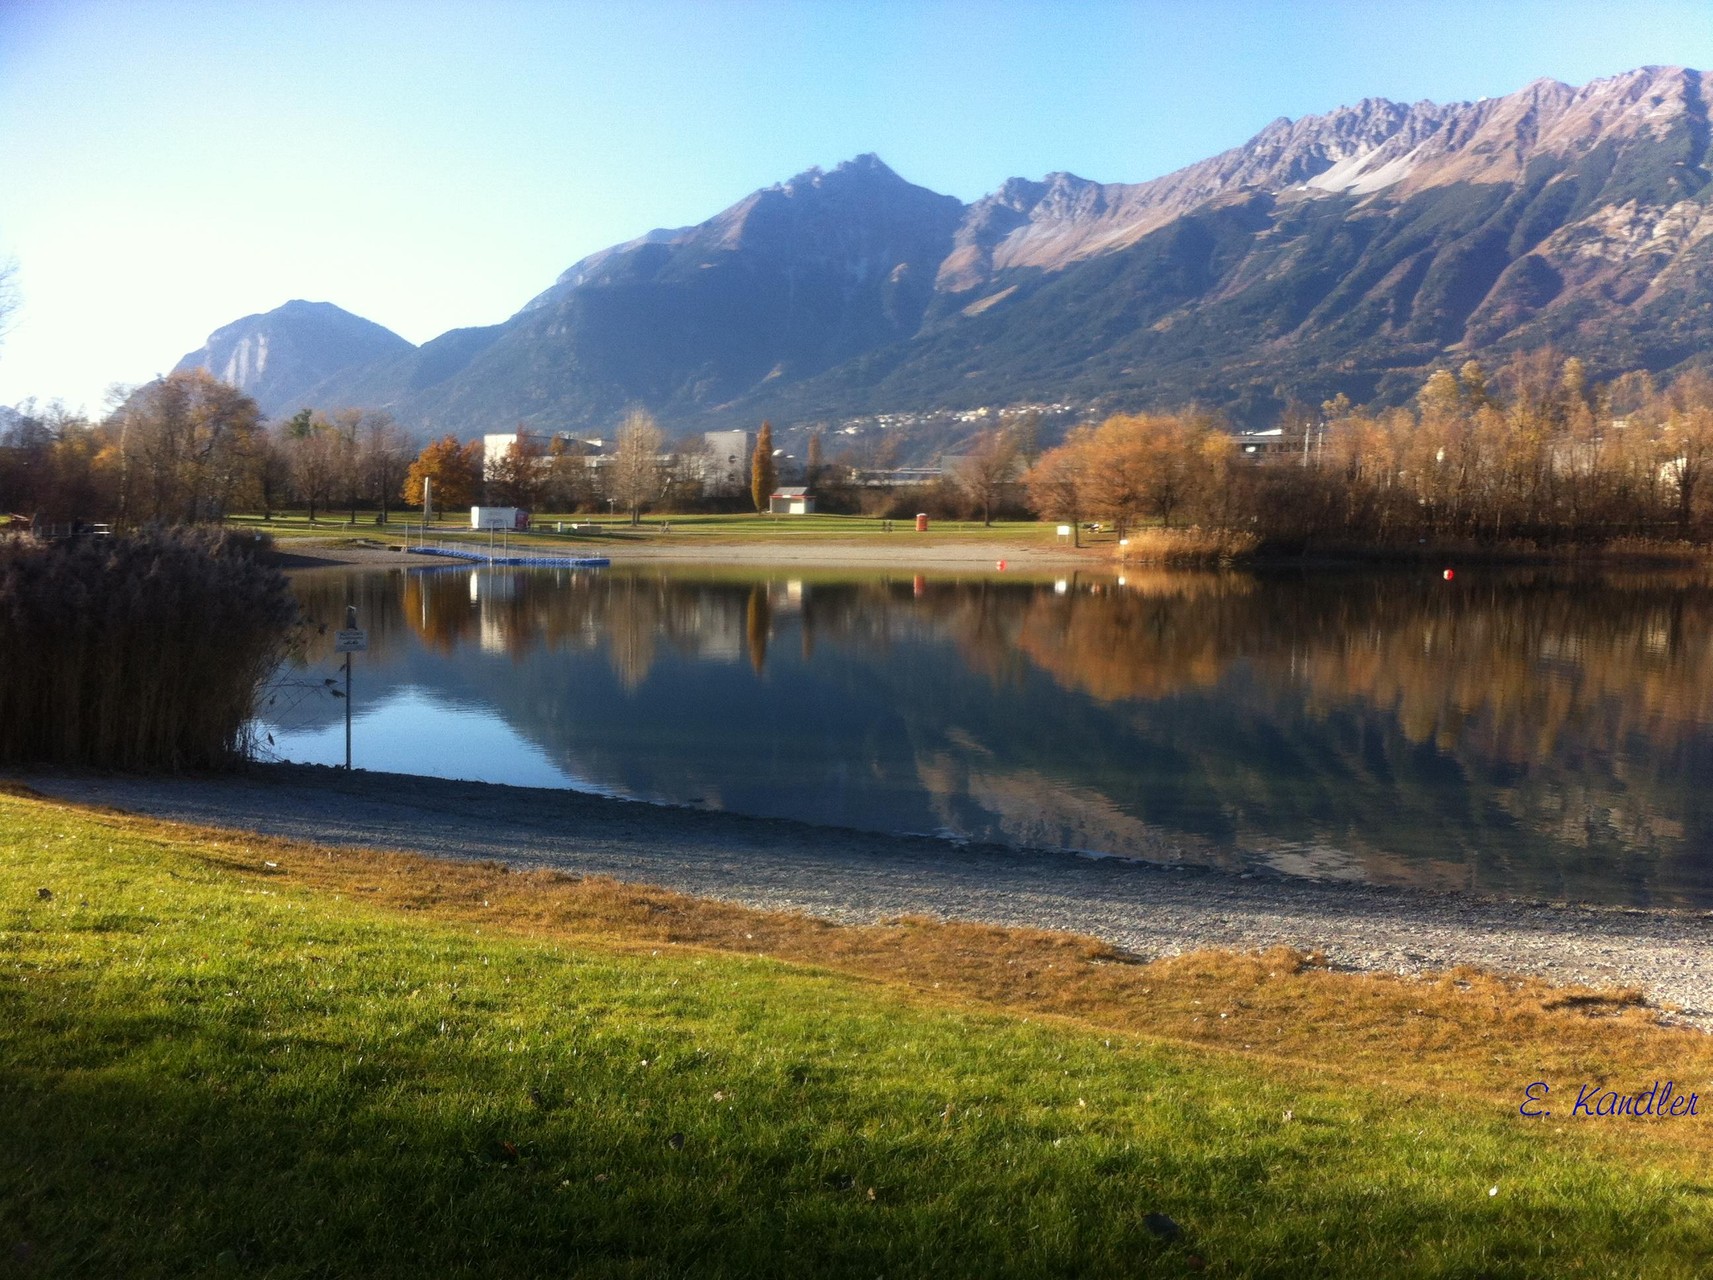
<point x="856" y="876"/>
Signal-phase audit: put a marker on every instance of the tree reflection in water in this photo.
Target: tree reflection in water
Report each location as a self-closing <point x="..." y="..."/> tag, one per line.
<point x="1529" y="732"/>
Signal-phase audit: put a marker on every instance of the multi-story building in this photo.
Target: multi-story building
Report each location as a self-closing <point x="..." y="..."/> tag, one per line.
<point x="539" y="443"/>
<point x="728" y="461"/>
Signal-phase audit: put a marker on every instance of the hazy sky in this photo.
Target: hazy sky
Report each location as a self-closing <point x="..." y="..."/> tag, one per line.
<point x="166" y="168"/>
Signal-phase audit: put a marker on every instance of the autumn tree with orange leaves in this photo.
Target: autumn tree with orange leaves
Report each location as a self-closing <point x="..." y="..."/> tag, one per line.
<point x="454" y="471"/>
<point x="1132" y="467"/>
<point x="1535" y="453"/>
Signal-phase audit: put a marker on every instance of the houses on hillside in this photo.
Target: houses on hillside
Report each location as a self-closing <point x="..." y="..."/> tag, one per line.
<point x="719" y="461"/>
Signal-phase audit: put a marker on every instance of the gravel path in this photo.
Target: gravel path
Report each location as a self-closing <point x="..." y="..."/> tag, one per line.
<point x="857" y="876"/>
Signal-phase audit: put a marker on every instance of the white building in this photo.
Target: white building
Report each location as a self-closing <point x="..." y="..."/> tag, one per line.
<point x="791" y="501"/>
<point x="540" y="443"/>
<point x="728" y="461"/>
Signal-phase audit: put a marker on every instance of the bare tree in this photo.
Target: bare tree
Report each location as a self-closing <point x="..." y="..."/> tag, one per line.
<point x="269" y="471"/>
<point x="1026" y="436"/>
<point x="56" y="464"/>
<point x="183" y="442"/>
<point x="384" y="456"/>
<point x="348" y="458"/>
<point x="517" y="477"/>
<point x="8" y="294"/>
<point x="1686" y="443"/>
<point x="636" y="470"/>
<point x="312" y="451"/>
<point x="570" y="480"/>
<point x="1058" y="482"/>
<point x="987" y="470"/>
<point x="687" y="472"/>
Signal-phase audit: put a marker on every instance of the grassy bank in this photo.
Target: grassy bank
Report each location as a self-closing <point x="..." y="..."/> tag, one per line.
<point x="229" y="1055"/>
<point x="682" y="529"/>
<point x="1147" y="544"/>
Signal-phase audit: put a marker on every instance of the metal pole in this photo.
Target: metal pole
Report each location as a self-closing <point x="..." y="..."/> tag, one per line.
<point x="351" y="624"/>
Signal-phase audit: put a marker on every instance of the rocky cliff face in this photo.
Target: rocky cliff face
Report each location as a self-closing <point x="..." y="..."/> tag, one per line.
<point x="789" y="283"/>
<point x="1343" y="252"/>
<point x="1377" y="149"/>
<point x="1346" y="252"/>
<point x="280" y="354"/>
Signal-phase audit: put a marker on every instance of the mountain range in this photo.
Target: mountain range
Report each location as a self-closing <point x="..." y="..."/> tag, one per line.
<point x="1348" y="252"/>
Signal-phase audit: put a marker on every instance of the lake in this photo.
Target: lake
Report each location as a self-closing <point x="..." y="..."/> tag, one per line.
<point x="1535" y="734"/>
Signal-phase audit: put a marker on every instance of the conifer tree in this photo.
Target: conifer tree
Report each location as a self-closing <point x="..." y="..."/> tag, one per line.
<point x="815" y="461"/>
<point x="762" y="473"/>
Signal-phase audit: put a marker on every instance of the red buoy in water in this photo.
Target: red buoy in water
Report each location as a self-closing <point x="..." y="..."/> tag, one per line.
<point x="1002" y="566"/>
<point x="1448" y="575"/>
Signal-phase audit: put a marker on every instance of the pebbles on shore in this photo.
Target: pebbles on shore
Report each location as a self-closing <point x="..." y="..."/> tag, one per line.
<point x="858" y="876"/>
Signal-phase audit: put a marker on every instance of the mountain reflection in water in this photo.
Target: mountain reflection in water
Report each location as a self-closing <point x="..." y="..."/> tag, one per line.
<point x="1521" y="733"/>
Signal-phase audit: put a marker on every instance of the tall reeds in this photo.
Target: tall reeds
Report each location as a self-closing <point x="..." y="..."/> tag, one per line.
<point x="1186" y="548"/>
<point x="141" y="652"/>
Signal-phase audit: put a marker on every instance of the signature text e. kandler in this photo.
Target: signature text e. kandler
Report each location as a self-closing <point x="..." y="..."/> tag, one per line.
<point x="1661" y="1102"/>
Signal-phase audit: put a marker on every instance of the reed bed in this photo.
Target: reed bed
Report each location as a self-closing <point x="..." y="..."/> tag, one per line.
<point x="1187" y="548"/>
<point x="142" y="652"/>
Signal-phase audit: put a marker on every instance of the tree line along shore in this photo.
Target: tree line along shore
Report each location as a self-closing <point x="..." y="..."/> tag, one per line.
<point x="1532" y="456"/>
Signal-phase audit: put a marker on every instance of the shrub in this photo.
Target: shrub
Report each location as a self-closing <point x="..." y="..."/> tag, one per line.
<point x="139" y="652"/>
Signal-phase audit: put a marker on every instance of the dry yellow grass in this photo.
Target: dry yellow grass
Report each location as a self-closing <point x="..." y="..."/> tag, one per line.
<point x="1186" y="548"/>
<point x="1466" y="1032"/>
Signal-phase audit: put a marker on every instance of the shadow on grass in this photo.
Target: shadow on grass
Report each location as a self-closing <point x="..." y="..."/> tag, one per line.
<point x="199" y="1128"/>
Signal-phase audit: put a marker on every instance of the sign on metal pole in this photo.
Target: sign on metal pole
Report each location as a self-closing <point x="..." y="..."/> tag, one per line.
<point x="352" y="639"/>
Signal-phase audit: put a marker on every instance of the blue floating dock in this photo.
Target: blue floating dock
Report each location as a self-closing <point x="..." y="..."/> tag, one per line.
<point x="524" y="561"/>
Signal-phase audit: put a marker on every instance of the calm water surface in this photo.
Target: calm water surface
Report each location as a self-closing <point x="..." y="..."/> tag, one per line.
<point x="1520" y="733"/>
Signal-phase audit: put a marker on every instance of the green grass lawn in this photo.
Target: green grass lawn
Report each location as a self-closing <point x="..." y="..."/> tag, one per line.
<point x="678" y="528"/>
<point x="211" y="1069"/>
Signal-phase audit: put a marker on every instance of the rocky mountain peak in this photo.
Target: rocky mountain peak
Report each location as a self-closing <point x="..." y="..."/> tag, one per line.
<point x="1345" y="250"/>
<point x="859" y="172"/>
<point x="274" y="355"/>
<point x="1374" y="148"/>
<point x="868" y="163"/>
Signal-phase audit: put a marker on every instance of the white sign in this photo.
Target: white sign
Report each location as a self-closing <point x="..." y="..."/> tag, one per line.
<point x="353" y="641"/>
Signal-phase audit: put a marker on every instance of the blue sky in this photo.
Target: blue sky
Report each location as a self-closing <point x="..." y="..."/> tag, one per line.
<point x="168" y="167"/>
